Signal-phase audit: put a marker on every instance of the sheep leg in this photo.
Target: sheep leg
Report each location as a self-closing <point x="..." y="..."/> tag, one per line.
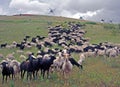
<point x="27" y="75"/>
<point x="23" y="74"/>
<point x="3" y="79"/>
<point x="9" y="75"/>
<point x="43" y="73"/>
<point x="47" y="73"/>
<point x="30" y="75"/>
<point x="6" y="77"/>
<point x="34" y="75"/>
<point x="63" y="74"/>
<point x="81" y="66"/>
<point x="12" y="76"/>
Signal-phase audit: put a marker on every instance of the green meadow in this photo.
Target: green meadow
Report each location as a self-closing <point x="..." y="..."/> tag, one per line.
<point x="97" y="72"/>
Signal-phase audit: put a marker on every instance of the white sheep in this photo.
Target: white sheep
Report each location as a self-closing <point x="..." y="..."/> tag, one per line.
<point x="113" y="53"/>
<point x="57" y="63"/>
<point x="46" y="56"/>
<point x="82" y="58"/>
<point x="100" y="52"/>
<point x="67" y="68"/>
<point x="16" y="66"/>
<point x="20" y="51"/>
<point x="10" y="56"/>
<point x="23" y="57"/>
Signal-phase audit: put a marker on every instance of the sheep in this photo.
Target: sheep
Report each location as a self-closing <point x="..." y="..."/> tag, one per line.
<point x="31" y="65"/>
<point x="66" y="67"/>
<point x="82" y="58"/>
<point x="23" y="68"/>
<point x="73" y="62"/>
<point x="13" y="63"/>
<point x="16" y="66"/>
<point x="23" y="57"/>
<point x="46" y="56"/>
<point x="10" y="56"/>
<point x="27" y="66"/>
<point x="28" y="46"/>
<point x="6" y="71"/>
<point x="100" y="52"/>
<point x="90" y="54"/>
<point x="111" y="52"/>
<point x="28" y="53"/>
<point x="3" y="45"/>
<point x="45" y="65"/>
<point x="57" y="63"/>
<point x="20" y="51"/>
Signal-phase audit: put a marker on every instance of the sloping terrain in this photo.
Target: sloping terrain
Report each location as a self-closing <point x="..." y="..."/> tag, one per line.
<point x="98" y="71"/>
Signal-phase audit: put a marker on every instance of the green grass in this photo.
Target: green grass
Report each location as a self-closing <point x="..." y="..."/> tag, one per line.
<point x="98" y="71"/>
<point x="98" y="33"/>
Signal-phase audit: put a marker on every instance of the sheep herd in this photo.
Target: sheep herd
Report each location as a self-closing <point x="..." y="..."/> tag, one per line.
<point x="50" y="58"/>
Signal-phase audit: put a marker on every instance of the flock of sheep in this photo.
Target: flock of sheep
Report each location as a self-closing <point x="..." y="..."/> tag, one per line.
<point x="48" y="58"/>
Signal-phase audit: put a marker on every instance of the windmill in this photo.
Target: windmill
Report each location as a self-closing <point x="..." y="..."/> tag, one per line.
<point x="51" y="11"/>
<point x="81" y="17"/>
<point x="20" y="10"/>
<point x="102" y="20"/>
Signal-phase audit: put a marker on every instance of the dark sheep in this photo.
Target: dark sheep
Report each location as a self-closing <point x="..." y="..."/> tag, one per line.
<point x="89" y="48"/>
<point x="3" y="45"/>
<point x="33" y="40"/>
<point x="47" y="44"/>
<point x="73" y="62"/>
<point x="23" y="68"/>
<point x="20" y="46"/>
<point x="39" y="46"/>
<point x="6" y="71"/>
<point x="27" y="66"/>
<point x="40" y="37"/>
<point x="45" y="65"/>
<point x="27" y="37"/>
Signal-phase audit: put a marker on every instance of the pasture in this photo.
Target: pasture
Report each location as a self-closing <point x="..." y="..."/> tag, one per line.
<point x="97" y="72"/>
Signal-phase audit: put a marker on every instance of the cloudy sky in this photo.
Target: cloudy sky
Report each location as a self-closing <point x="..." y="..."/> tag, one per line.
<point x="94" y="10"/>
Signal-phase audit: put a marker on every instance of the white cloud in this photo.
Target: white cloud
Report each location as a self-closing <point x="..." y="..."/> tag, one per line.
<point x="27" y="6"/>
<point x="67" y="8"/>
<point x="2" y="12"/>
<point x="77" y="15"/>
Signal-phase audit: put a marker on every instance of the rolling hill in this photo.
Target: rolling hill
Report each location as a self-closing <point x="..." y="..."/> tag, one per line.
<point x="97" y="72"/>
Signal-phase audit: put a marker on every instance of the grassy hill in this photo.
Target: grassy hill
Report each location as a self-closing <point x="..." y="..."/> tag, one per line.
<point x="16" y="27"/>
<point x="98" y="72"/>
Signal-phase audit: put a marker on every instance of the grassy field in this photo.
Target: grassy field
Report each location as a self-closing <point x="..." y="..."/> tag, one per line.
<point x="97" y="72"/>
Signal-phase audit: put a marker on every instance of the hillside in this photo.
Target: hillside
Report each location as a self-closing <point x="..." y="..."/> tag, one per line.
<point x="99" y="71"/>
<point x="25" y="25"/>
